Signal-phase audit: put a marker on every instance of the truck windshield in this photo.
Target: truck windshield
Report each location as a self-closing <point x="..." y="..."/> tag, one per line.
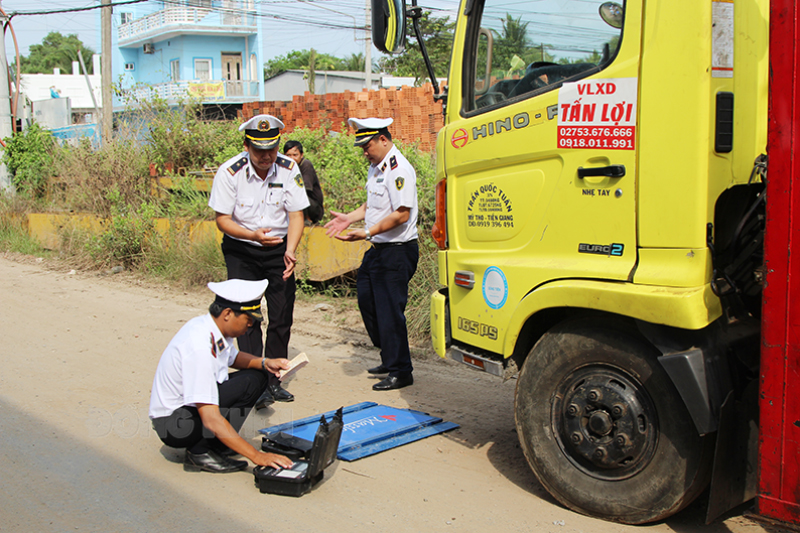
<point x="536" y="45"/>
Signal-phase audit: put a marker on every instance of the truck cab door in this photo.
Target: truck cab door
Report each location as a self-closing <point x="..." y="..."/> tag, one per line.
<point x="540" y="152"/>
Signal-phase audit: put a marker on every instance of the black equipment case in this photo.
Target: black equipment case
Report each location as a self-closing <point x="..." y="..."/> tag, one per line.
<point x="309" y="463"/>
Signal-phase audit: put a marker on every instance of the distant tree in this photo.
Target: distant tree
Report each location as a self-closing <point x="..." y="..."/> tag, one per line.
<point x="438" y="36"/>
<point x="511" y="41"/>
<point x="354" y="63"/>
<point x="56" y="51"/>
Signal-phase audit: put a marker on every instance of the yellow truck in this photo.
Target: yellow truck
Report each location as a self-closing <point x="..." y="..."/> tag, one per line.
<point x="600" y="216"/>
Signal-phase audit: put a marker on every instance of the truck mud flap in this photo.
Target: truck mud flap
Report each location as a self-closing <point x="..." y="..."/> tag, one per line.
<point x="733" y="478"/>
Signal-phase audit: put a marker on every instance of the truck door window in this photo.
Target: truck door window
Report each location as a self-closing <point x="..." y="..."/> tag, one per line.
<point x="516" y="50"/>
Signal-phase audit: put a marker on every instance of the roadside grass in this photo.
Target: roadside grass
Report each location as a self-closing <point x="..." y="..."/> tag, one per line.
<point x="14" y="236"/>
<point x="179" y="259"/>
<point x="423" y="284"/>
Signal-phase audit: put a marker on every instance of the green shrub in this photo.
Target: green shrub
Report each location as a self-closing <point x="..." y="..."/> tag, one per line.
<point x="30" y="157"/>
<point x="423" y="163"/>
<point x="185" y="201"/>
<point x="89" y="175"/>
<point x="126" y="239"/>
<point x="342" y="170"/>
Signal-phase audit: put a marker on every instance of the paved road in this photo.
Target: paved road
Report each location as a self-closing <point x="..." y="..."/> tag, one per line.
<point x="77" y="453"/>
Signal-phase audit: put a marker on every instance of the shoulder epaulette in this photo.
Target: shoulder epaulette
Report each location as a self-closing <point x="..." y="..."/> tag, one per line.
<point x="285" y="162"/>
<point x="237" y="166"/>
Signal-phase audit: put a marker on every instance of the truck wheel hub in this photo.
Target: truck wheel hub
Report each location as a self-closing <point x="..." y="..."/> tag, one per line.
<point x="605" y="422"/>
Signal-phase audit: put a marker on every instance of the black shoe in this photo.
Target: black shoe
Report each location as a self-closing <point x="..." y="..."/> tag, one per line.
<point x="226" y="452"/>
<point x="264" y="400"/>
<point x="279" y="394"/>
<point x="211" y="461"/>
<point x="394" y="382"/>
<point x="380" y="369"/>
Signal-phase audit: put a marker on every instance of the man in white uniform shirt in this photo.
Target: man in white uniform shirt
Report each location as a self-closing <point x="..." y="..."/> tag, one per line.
<point x="195" y="404"/>
<point x="390" y="220"/>
<point x="259" y="198"/>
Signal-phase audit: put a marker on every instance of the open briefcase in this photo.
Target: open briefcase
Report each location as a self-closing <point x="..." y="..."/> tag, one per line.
<point x="309" y="463"/>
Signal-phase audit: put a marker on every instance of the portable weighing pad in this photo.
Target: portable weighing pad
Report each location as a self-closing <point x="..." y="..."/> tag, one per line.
<point x="369" y="428"/>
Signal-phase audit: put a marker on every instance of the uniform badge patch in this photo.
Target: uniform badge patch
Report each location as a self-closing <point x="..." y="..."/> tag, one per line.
<point x="383" y="167"/>
<point x="220" y="345"/>
<point x="237" y="166"/>
<point x="285" y="162"/>
<point x="393" y="162"/>
<point x="299" y="180"/>
<point x="399" y="182"/>
<point x="213" y="347"/>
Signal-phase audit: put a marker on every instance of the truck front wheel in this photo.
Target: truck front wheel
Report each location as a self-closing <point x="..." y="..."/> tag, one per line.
<point x="603" y="427"/>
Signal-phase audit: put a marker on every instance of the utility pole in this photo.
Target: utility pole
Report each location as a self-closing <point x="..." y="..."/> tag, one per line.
<point x="368" y="49"/>
<point x="5" y="111"/>
<point x="105" y="71"/>
<point x="88" y="84"/>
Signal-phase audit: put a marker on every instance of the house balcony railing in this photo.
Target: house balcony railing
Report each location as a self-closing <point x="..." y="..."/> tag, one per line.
<point x="223" y="17"/>
<point x="204" y="91"/>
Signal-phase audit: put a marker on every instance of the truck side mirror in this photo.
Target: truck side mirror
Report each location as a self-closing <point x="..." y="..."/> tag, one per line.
<point x="612" y="14"/>
<point x="389" y="25"/>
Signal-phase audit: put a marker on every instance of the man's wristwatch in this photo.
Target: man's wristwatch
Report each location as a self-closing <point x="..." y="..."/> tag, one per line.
<point x="263" y="364"/>
<point x="369" y="235"/>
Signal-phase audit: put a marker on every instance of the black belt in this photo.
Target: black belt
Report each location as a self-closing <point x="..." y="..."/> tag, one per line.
<point x="380" y="245"/>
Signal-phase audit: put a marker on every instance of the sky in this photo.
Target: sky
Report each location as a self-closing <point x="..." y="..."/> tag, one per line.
<point x="325" y="25"/>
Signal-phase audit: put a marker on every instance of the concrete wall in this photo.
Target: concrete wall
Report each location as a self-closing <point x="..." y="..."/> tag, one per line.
<point x="52" y="113"/>
<point x="291" y="83"/>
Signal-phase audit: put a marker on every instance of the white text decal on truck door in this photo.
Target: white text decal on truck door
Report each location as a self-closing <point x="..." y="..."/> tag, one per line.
<point x="598" y="114"/>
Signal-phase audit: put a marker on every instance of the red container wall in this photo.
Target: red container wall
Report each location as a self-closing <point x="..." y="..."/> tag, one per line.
<point x="779" y="472"/>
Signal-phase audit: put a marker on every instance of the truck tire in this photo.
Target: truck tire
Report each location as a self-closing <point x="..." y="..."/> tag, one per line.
<point x="603" y="427"/>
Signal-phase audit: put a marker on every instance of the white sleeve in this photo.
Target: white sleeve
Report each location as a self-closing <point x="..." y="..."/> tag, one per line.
<point x="234" y="351"/>
<point x="199" y="374"/>
<point x="403" y="188"/>
<point x="223" y="192"/>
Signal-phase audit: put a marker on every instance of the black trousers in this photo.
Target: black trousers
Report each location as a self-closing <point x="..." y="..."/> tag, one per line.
<point x="237" y="396"/>
<point x="245" y="261"/>
<point x="382" y="288"/>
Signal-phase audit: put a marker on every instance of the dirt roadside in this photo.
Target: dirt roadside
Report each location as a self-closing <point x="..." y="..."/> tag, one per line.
<point x="77" y="452"/>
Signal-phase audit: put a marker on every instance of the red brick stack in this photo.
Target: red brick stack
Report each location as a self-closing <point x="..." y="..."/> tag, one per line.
<point x="416" y="116"/>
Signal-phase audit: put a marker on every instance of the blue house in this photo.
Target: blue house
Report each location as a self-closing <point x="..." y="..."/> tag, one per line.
<point x="208" y="49"/>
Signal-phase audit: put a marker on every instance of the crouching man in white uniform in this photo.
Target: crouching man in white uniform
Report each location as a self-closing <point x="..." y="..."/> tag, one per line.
<point x="195" y="404"/>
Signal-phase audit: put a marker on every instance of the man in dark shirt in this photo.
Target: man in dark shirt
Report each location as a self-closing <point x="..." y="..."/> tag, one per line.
<point x="314" y="212"/>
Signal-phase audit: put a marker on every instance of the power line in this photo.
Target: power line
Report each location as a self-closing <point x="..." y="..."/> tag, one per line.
<point x="73" y="9"/>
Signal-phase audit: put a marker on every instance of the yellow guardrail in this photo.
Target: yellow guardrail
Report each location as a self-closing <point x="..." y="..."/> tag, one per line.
<point x="320" y="258"/>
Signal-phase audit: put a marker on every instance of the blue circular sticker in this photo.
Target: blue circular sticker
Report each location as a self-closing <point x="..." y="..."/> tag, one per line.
<point x="495" y="287"/>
